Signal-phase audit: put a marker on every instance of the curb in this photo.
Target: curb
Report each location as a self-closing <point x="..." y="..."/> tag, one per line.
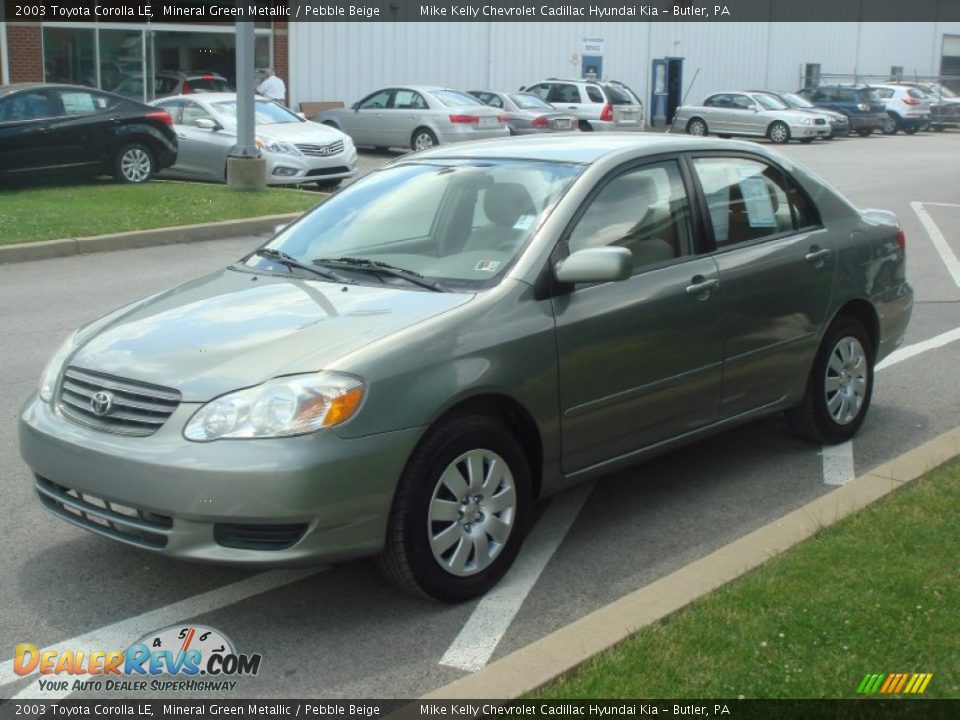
<point x="564" y="650"/>
<point x="46" y="249"/>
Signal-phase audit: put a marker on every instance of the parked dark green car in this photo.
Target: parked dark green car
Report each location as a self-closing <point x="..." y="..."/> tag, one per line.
<point x="403" y="371"/>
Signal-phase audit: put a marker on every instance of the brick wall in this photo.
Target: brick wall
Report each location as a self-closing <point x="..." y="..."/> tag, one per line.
<point x="25" y="45"/>
<point x="281" y="62"/>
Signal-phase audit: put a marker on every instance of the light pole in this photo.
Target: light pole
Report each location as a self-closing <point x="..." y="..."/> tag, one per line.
<point x="246" y="169"/>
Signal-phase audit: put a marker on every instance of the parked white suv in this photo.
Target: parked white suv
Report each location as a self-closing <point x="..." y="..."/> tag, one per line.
<point x="907" y="107"/>
<point x="597" y="104"/>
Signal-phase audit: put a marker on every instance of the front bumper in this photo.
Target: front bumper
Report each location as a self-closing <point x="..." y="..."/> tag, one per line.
<point x="338" y="491"/>
<point x="867" y="122"/>
<point x="287" y="169"/>
<point x="810" y="131"/>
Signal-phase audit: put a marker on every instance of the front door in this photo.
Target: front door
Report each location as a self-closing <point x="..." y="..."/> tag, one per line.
<point x="640" y="360"/>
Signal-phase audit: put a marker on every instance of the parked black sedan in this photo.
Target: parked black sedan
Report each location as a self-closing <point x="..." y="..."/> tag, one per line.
<point x="59" y="129"/>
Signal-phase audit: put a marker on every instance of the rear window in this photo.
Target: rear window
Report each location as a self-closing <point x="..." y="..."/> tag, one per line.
<point x="914" y="93"/>
<point x="209" y="84"/>
<point x="525" y="101"/>
<point x="619" y="96"/>
<point x="866" y="95"/>
<point x="594" y="94"/>
<point x="452" y="98"/>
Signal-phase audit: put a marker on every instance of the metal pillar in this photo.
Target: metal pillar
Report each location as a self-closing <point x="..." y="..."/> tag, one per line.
<point x="246" y="170"/>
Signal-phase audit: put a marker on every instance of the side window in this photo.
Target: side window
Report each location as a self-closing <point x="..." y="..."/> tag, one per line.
<point x="192" y="112"/>
<point x="805" y="213"/>
<point x="645" y="210"/>
<point x="845" y="96"/>
<point x="746" y="199"/>
<point x="884" y="93"/>
<point x="594" y="94"/>
<point x="26" y="106"/>
<point x="493" y="101"/>
<point x="542" y="90"/>
<point x="79" y="102"/>
<point x="565" y="94"/>
<point x="712" y="101"/>
<point x="376" y="101"/>
<point x="408" y="100"/>
<point x="741" y="102"/>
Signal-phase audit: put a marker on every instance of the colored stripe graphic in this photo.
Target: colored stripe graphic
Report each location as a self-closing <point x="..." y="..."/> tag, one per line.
<point x="894" y="683"/>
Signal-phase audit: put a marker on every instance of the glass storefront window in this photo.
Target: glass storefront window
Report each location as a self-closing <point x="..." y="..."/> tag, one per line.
<point x="68" y="56"/>
<point x="121" y="62"/>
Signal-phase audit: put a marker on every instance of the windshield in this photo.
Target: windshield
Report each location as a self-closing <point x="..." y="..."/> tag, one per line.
<point x="769" y="102"/>
<point x="459" y="222"/>
<point x="525" y="101"/>
<point x="266" y="112"/>
<point x="796" y="101"/>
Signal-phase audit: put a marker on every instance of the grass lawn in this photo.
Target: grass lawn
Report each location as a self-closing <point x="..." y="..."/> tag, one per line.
<point x="97" y="207"/>
<point x="878" y="592"/>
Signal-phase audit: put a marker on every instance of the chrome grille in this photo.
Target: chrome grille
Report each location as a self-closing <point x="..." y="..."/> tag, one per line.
<point x="321" y="150"/>
<point x="121" y="522"/>
<point x="131" y="408"/>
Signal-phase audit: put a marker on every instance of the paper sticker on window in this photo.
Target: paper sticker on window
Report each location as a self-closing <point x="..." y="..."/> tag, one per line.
<point x="524" y="222"/>
<point x="77" y="103"/>
<point x="487" y="266"/>
<point x="758" y="202"/>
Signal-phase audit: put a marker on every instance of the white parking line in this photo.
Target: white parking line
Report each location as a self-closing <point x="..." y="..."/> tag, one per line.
<point x="472" y="648"/>
<point x="837" y="463"/>
<point x="939" y="241"/>
<point x="905" y="353"/>
<point x="121" y="634"/>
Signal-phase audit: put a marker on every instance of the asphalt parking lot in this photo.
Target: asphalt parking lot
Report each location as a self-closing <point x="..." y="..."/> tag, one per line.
<point x="342" y="631"/>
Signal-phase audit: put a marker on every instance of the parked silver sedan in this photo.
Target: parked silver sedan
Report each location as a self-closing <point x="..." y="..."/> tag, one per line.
<point x="751" y="114"/>
<point x="297" y="151"/>
<point x="405" y="369"/>
<point x="417" y="117"/>
<point x="526" y="113"/>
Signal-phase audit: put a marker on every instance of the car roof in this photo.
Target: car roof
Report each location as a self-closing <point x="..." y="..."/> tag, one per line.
<point x="583" y="148"/>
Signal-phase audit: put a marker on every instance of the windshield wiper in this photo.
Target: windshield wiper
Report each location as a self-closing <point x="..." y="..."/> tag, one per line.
<point x="382" y="268"/>
<point x="291" y="262"/>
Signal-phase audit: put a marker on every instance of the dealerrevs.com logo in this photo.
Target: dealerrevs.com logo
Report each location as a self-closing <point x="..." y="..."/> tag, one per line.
<point x="894" y="683"/>
<point x="192" y="657"/>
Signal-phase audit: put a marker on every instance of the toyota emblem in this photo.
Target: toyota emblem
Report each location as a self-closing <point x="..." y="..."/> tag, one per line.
<point x="101" y="403"/>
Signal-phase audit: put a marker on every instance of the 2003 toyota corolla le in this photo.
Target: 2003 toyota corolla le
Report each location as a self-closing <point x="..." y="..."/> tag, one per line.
<point x="406" y="368"/>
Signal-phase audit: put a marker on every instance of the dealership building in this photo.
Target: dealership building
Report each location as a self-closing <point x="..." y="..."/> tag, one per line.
<point x="343" y="61"/>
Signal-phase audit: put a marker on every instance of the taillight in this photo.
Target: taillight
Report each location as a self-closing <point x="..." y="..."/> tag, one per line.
<point x="607" y="113"/>
<point x="540" y="122"/>
<point x="186" y="90"/>
<point x="901" y="239"/>
<point x="161" y="115"/>
<point x="910" y="101"/>
<point x="464" y="119"/>
<point x="207" y="77"/>
<point x="501" y="119"/>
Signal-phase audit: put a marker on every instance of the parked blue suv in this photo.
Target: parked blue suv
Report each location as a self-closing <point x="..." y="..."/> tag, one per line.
<point x="858" y="102"/>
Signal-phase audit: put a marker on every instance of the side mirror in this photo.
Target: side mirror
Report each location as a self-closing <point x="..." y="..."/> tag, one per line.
<point x="602" y="264"/>
<point x="355" y="106"/>
<point x="206" y="124"/>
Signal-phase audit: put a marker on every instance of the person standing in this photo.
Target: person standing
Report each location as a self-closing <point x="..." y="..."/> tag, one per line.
<point x="272" y="86"/>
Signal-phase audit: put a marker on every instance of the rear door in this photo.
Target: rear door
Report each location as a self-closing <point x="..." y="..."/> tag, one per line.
<point x="777" y="267"/>
<point x="566" y="97"/>
<point x="640" y="360"/>
<point x="406" y="114"/>
<point x="86" y="128"/>
<point x="366" y="121"/>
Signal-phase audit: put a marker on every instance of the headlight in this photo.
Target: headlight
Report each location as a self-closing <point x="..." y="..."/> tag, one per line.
<point x="806" y="121"/>
<point x="285" y="406"/>
<point x="51" y="373"/>
<point x="275" y="146"/>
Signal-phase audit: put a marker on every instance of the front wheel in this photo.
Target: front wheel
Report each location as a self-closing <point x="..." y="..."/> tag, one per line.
<point x="133" y="164"/>
<point x="423" y="139"/>
<point x="840" y="385"/>
<point x="460" y="511"/>
<point x="911" y="129"/>
<point x="865" y="132"/>
<point x="890" y="126"/>
<point x="697" y="127"/>
<point x="779" y="133"/>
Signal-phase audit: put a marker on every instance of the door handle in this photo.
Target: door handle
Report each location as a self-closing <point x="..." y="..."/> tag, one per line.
<point x="701" y="286"/>
<point x="817" y="255"/>
<point x="571" y="107"/>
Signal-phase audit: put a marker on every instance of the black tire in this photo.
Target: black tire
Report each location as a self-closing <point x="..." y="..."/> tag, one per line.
<point x="807" y="141"/>
<point x="329" y="185"/>
<point x="724" y="137"/>
<point x="812" y="419"/>
<point x="911" y="129"/>
<point x="423" y="139"/>
<point x="133" y="164"/>
<point x="865" y="132"/>
<point x="585" y="126"/>
<point x="778" y="133"/>
<point x="407" y="560"/>
<point x="937" y="128"/>
<point x="381" y="148"/>
<point x="697" y="126"/>
<point x="890" y="126"/>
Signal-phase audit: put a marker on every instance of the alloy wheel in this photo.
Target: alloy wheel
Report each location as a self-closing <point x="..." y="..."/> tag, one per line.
<point x="845" y="384"/>
<point x="135" y="165"/>
<point x="423" y="141"/>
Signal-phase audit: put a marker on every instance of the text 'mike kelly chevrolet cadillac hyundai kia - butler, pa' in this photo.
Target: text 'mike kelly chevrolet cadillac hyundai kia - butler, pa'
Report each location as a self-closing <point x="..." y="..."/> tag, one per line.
<point x="404" y="370"/>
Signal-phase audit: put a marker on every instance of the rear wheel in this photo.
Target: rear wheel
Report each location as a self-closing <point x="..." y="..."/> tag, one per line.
<point x="911" y="129"/>
<point x="807" y="141"/>
<point x="460" y="511"/>
<point x="890" y="125"/>
<point x="328" y="185"/>
<point x="840" y="385"/>
<point x="779" y="133"/>
<point x="697" y="127"/>
<point x="422" y="139"/>
<point x="865" y="132"/>
<point x="133" y="163"/>
<point x="585" y="126"/>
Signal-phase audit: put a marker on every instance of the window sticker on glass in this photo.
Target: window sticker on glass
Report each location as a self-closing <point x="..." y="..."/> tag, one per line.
<point x="523" y="222"/>
<point x="403" y="98"/>
<point x="77" y="103"/>
<point x="487" y="266"/>
<point x="758" y="202"/>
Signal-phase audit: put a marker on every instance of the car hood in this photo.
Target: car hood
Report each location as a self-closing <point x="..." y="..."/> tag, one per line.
<point x="794" y="114"/>
<point x="304" y="132"/>
<point x="236" y="329"/>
